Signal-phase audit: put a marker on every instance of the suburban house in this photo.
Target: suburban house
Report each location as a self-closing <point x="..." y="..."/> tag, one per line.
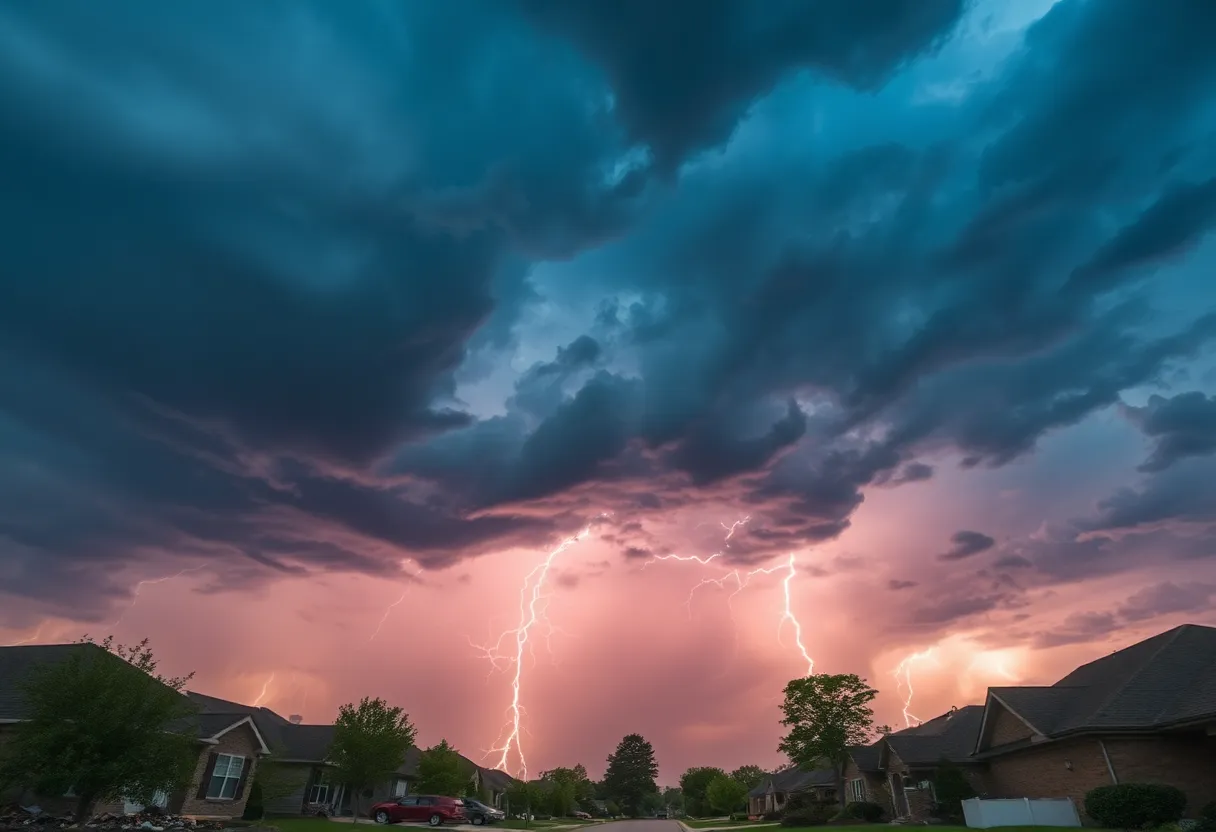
<point x="305" y="779"/>
<point x="771" y="793"/>
<point x="229" y="745"/>
<point x="1143" y="714"/>
<point x="232" y="737"/>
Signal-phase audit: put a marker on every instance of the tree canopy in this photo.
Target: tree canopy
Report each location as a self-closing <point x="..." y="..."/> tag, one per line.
<point x="567" y="789"/>
<point x="105" y="725"/>
<point x="826" y="714"/>
<point x="631" y="773"/>
<point x="725" y="794"/>
<point x="694" y="783"/>
<point x="369" y="745"/>
<point x="442" y="771"/>
<point x="749" y="776"/>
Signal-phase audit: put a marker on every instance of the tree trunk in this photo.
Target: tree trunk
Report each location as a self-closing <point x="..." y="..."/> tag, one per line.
<point x="354" y="806"/>
<point x="84" y="807"/>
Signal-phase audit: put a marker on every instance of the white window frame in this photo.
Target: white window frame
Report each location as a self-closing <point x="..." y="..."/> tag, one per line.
<point x="857" y="790"/>
<point x="228" y="769"/>
<point x="401" y="788"/>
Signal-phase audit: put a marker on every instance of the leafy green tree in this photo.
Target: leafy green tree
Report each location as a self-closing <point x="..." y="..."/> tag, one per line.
<point x="369" y="744"/>
<point x="631" y="773"/>
<point x="884" y="730"/>
<point x="568" y="788"/>
<point x="525" y="798"/>
<point x="652" y="802"/>
<point x="694" y="783"/>
<point x="104" y="724"/>
<point x="612" y="807"/>
<point x="826" y="713"/>
<point x="673" y="798"/>
<point x="725" y="794"/>
<point x="749" y="776"/>
<point x="442" y="771"/>
<point x="952" y="788"/>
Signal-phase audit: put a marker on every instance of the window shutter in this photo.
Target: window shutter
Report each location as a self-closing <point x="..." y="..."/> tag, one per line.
<point x="207" y="772"/>
<point x="240" y="785"/>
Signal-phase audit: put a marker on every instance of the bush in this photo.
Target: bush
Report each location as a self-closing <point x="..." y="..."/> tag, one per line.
<point x="1135" y="805"/>
<point x="1207" y="818"/>
<point x="801" y="810"/>
<point x="771" y="816"/>
<point x="253" y="806"/>
<point x="864" y="810"/>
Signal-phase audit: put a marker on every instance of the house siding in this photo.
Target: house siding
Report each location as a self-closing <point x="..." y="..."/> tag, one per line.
<point x="877" y="790"/>
<point x="1187" y="761"/>
<point x="241" y="741"/>
<point x="294" y="779"/>
<point x="1004" y="727"/>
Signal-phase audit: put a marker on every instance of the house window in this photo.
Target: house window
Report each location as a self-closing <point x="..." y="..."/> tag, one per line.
<point x="857" y="790"/>
<point x="319" y="793"/>
<point x="225" y="776"/>
<point x="401" y="788"/>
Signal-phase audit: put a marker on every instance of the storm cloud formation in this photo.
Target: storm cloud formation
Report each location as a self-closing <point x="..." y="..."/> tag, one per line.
<point x="266" y="269"/>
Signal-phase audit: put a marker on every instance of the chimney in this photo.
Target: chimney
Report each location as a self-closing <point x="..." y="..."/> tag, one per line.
<point x="295" y="719"/>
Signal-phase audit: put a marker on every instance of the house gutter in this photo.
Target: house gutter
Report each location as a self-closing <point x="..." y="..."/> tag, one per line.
<point x="1114" y="778"/>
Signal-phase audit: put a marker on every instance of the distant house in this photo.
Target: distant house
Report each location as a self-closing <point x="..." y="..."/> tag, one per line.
<point x="229" y="744"/>
<point x="232" y="737"/>
<point x="771" y="794"/>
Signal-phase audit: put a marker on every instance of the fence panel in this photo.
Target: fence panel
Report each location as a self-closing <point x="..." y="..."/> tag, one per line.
<point x="985" y="814"/>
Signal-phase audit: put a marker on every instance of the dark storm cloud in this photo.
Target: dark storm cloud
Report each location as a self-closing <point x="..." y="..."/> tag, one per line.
<point x="1181" y="426"/>
<point x="242" y="272"/>
<point x="684" y="74"/>
<point x="895" y="585"/>
<point x="967" y="544"/>
<point x="1077" y="628"/>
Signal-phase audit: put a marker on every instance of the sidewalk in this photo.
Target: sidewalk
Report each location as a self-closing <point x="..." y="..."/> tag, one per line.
<point x="731" y="828"/>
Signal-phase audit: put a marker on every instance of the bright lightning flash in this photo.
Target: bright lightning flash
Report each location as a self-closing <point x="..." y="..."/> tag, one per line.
<point x="903" y="680"/>
<point x="741" y="581"/>
<point x="37" y="635"/>
<point x="265" y="689"/>
<point x="141" y="584"/>
<point x="531" y="614"/>
<point x="391" y="607"/>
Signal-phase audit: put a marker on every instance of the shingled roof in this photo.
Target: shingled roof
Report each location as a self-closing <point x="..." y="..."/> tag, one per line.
<point x="867" y="757"/>
<point x="793" y="779"/>
<point x="950" y="736"/>
<point x="1163" y="681"/>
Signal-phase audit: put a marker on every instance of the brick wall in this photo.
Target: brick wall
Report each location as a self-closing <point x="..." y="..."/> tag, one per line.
<point x="875" y="784"/>
<point x="240" y="741"/>
<point x="1187" y="761"/>
<point x="1004" y="728"/>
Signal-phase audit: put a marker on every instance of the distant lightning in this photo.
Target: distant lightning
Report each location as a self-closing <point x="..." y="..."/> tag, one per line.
<point x="531" y="613"/>
<point x="265" y="689"/>
<point x="141" y="584"/>
<point x="903" y="681"/>
<point x="741" y="580"/>
<point x="37" y="635"/>
<point x="388" y="610"/>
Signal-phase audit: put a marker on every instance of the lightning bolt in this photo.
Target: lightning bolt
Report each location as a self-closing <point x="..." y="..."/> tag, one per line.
<point x="265" y="689"/>
<point x="903" y="682"/>
<point x="37" y="635"/>
<point x="741" y="581"/>
<point x="141" y="584"/>
<point x="531" y="613"/>
<point x="388" y="610"/>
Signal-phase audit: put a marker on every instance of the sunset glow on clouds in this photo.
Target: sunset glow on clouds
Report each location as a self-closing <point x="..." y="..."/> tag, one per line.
<point x="327" y="322"/>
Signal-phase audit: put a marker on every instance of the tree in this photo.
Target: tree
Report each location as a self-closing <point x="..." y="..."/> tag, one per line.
<point x="749" y="776"/>
<point x="272" y="780"/>
<point x="568" y="788"/>
<point x="631" y="773"/>
<point x="826" y="713"/>
<point x="673" y="798"/>
<point x="524" y="797"/>
<point x="725" y="794"/>
<point x="693" y="783"/>
<point x="369" y="744"/>
<point x="102" y="724"/>
<point x="442" y="771"/>
<point x="951" y="787"/>
<point x="652" y="802"/>
<point x="884" y="730"/>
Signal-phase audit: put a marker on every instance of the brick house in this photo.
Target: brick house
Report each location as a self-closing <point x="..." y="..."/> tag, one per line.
<point x="864" y="778"/>
<point x="307" y="780"/>
<point x="229" y="745"/>
<point x="771" y="794"/>
<point x="1144" y="714"/>
<point x="910" y="759"/>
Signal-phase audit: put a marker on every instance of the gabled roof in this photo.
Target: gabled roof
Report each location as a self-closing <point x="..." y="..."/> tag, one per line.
<point x="867" y="757"/>
<point x="793" y="779"/>
<point x="1165" y="680"/>
<point x="951" y="736"/>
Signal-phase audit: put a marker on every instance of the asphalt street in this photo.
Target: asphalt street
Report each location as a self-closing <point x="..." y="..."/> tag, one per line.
<point x="642" y="825"/>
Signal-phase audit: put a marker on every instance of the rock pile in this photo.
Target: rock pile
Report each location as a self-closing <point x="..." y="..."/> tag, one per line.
<point x="19" y="819"/>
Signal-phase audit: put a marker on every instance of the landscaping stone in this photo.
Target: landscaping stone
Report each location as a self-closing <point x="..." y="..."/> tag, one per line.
<point x="18" y="819"/>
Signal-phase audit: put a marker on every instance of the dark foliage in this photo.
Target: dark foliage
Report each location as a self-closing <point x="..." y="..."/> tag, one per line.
<point x="1207" y="818"/>
<point x="864" y="810"/>
<point x="1135" y="805"/>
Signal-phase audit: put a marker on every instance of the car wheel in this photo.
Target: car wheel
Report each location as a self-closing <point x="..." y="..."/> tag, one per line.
<point x="478" y="820"/>
<point x="381" y="817"/>
<point x="435" y="820"/>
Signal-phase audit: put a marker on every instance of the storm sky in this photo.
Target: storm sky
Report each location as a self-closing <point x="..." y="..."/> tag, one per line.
<point x="328" y="321"/>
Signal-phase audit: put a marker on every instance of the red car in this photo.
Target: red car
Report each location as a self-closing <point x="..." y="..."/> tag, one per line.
<point x="434" y="809"/>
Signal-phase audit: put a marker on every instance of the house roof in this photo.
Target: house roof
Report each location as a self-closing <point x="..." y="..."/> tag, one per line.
<point x="1161" y="681"/>
<point x="951" y="736"/>
<point x="17" y="662"/>
<point x="867" y="757"/>
<point x="793" y="779"/>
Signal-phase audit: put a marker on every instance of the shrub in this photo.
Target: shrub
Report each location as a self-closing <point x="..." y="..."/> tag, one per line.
<point x="802" y="810"/>
<point x="1135" y="805"/>
<point x="864" y="810"/>
<point x="1207" y="818"/>
<point x="253" y="806"/>
<point x="771" y="816"/>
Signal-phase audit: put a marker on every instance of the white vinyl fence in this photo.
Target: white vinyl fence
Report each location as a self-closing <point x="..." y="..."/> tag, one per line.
<point x="985" y="814"/>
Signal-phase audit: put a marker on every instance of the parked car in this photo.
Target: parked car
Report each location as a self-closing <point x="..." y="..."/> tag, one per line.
<point x="480" y="814"/>
<point x="661" y="815"/>
<point x="580" y="815"/>
<point x="435" y="810"/>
